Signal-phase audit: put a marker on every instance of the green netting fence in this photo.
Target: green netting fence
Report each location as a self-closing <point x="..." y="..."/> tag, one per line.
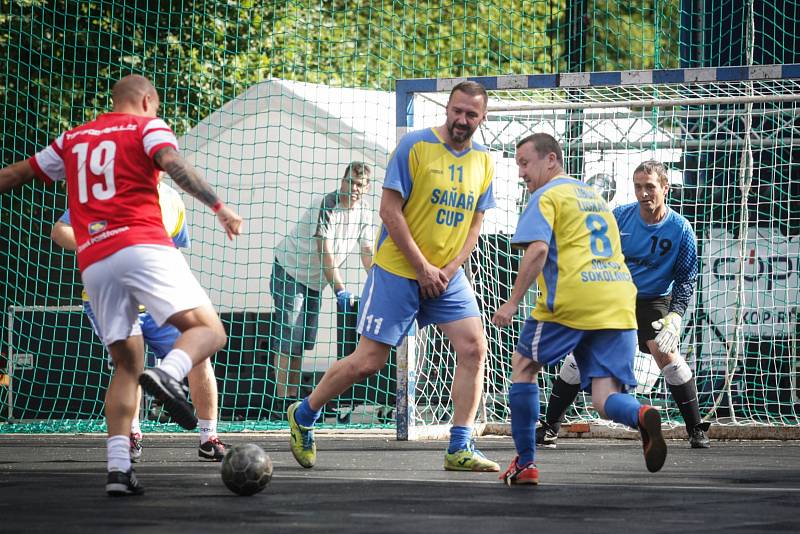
<point x="272" y="100"/>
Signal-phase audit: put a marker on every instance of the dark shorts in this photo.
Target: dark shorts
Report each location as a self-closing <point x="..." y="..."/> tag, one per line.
<point x="648" y="311"/>
<point x="296" y="317"/>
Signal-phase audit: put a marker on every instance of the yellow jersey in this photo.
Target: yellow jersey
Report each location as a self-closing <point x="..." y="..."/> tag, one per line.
<point x="442" y="190"/>
<point x="585" y="283"/>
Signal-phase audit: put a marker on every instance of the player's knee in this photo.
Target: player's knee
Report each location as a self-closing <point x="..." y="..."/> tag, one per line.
<point x="362" y="368"/>
<point x="569" y="371"/>
<point x="677" y="372"/>
<point x="473" y="354"/>
<point x="221" y="339"/>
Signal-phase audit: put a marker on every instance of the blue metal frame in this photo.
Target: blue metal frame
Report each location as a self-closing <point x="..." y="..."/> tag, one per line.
<point x="407" y="87"/>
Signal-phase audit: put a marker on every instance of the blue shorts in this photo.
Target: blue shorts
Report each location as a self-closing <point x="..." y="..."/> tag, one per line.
<point x="390" y="303"/>
<point x="296" y="313"/>
<point x="158" y="340"/>
<point x="598" y="353"/>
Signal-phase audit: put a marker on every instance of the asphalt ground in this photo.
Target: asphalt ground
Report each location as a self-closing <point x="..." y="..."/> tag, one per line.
<point x="373" y="483"/>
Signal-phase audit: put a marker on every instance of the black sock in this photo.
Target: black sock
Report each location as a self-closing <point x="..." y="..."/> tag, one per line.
<point x="561" y="398"/>
<point x="685" y="397"/>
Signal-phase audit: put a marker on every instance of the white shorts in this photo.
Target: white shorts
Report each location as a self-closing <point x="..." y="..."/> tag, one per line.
<point x="153" y="275"/>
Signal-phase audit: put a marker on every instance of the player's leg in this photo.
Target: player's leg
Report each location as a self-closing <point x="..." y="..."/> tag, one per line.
<point x="605" y="360"/>
<point x="369" y="357"/>
<point x="291" y="301"/>
<point x="565" y="390"/>
<point x="523" y="400"/>
<point x="540" y="343"/>
<point x="120" y="407"/>
<point x="681" y="384"/>
<point x="467" y="337"/>
<point x="115" y="316"/>
<point x="390" y="304"/>
<point x="456" y="313"/>
<point x="135" y="437"/>
<point x="203" y="387"/>
<point x="161" y="280"/>
<point x="677" y="374"/>
<point x="202" y="335"/>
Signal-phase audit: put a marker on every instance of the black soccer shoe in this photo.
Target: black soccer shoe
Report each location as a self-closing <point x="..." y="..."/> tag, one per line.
<point x="698" y="438"/>
<point x="212" y="450"/>
<point x="170" y="392"/>
<point x="119" y="484"/>
<point x="546" y="436"/>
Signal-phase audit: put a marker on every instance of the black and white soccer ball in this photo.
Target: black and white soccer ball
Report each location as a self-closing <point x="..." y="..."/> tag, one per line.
<point x="246" y="469"/>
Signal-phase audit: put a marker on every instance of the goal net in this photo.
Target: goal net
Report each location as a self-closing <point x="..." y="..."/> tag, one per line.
<point x="731" y="139"/>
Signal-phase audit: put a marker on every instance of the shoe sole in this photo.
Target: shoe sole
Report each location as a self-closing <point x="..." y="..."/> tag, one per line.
<point x="290" y="418"/>
<point x="179" y="409"/>
<point x="476" y="469"/>
<point x="547" y="445"/>
<point x="526" y="482"/>
<point x="209" y="458"/>
<point x="656" y="452"/>
<point x="121" y="490"/>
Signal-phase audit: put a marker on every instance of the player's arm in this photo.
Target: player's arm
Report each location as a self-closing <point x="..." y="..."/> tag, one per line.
<point x="530" y="268"/>
<point x="64" y="236"/>
<point x="469" y="245"/>
<point x="16" y="174"/>
<point x="329" y="268"/>
<point x="188" y="179"/>
<point x="366" y="255"/>
<point x="432" y="281"/>
<point x="685" y="274"/>
<point x="685" y="277"/>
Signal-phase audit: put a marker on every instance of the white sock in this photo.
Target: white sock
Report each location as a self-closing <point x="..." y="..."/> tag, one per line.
<point x="135" y="427"/>
<point x="176" y="364"/>
<point x="118" y="452"/>
<point x="208" y="429"/>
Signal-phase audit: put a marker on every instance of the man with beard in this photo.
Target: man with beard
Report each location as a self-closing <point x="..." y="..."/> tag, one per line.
<point x="438" y="185"/>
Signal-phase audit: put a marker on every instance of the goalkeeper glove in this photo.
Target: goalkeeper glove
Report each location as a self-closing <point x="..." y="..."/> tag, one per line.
<point x="345" y="300"/>
<point x="669" y="332"/>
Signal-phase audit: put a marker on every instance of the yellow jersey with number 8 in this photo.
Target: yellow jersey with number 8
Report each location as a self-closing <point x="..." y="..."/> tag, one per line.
<point x="585" y="283"/>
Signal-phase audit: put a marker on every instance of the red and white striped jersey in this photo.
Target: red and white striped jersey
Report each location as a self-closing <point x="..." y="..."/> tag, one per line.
<point x="112" y="182"/>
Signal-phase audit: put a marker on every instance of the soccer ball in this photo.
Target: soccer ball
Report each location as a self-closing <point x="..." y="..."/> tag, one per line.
<point x="246" y="469"/>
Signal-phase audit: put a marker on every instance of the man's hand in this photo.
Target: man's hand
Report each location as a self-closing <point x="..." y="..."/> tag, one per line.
<point x="345" y="300"/>
<point x="432" y="281"/>
<point x="230" y="220"/>
<point x="505" y="314"/>
<point x="669" y="332"/>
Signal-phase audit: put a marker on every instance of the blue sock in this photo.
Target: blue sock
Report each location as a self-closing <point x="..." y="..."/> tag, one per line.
<point x="623" y="408"/>
<point x="523" y="399"/>
<point x="304" y="415"/>
<point x="459" y="438"/>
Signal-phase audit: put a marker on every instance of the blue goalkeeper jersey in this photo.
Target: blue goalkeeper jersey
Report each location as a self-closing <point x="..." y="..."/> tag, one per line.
<point x="662" y="257"/>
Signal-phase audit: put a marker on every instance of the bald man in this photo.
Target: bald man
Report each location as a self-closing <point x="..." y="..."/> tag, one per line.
<point x="111" y="166"/>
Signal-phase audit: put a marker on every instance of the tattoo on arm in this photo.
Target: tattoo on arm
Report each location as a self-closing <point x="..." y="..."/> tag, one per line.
<point x="183" y="174"/>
